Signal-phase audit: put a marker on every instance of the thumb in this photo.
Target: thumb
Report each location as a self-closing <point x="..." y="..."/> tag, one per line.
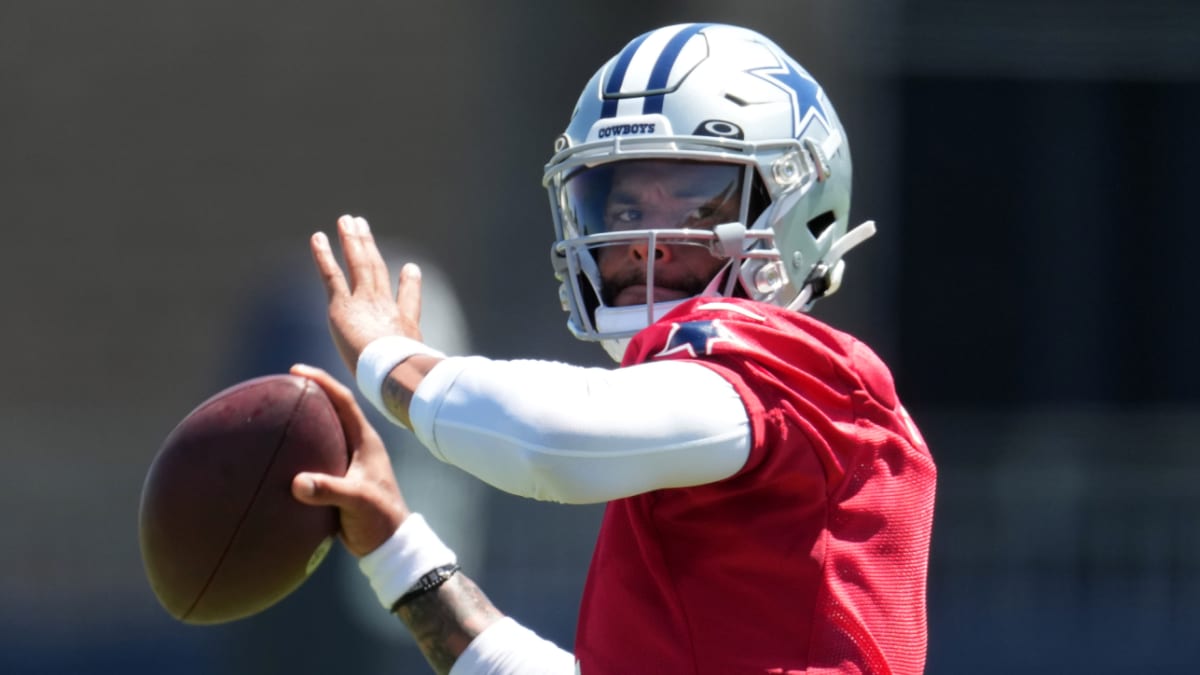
<point x="318" y="489"/>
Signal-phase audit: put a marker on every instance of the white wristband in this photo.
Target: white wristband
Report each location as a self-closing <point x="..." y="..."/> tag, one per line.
<point x="378" y="359"/>
<point x="413" y="549"/>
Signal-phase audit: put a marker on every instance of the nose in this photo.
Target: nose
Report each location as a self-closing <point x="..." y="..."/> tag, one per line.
<point x="641" y="251"/>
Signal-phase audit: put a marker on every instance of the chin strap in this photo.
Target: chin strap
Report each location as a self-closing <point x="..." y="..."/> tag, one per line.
<point x="853" y="238"/>
<point x="632" y="318"/>
<point x="826" y="277"/>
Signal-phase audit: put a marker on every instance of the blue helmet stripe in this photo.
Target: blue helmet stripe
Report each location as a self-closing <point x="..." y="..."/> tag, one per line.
<point x="612" y="88"/>
<point x="662" y="68"/>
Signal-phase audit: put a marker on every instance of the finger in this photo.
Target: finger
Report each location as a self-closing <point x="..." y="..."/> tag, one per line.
<point x="354" y="422"/>
<point x="319" y="489"/>
<point x="366" y="519"/>
<point x="351" y="250"/>
<point x="408" y="292"/>
<point x="327" y="265"/>
<point x="376" y="264"/>
<point x="365" y="265"/>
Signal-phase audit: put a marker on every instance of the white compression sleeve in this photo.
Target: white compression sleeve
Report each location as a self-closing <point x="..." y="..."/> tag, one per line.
<point x="508" y="648"/>
<point x="564" y="433"/>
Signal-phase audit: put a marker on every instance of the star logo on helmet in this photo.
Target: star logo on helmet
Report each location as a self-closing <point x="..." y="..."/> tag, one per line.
<point x="805" y="93"/>
<point x="695" y="338"/>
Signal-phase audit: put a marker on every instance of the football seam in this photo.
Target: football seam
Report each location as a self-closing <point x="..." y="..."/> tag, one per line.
<point x="249" y="506"/>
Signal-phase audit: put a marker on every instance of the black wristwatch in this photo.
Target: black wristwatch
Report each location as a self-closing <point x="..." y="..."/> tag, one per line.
<point x="428" y="581"/>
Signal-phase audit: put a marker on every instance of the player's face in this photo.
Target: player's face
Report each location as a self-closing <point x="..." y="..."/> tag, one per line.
<point x="651" y="195"/>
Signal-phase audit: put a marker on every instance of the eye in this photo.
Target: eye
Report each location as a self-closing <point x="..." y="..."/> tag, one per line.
<point x="626" y="215"/>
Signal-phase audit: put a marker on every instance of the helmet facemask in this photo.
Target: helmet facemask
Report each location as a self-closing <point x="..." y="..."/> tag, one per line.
<point x="639" y="236"/>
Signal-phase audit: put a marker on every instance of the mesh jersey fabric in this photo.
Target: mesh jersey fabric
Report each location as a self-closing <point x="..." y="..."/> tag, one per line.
<point x="812" y="558"/>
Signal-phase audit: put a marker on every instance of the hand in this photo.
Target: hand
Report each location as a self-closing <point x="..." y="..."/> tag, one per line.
<point x="364" y="308"/>
<point x="367" y="497"/>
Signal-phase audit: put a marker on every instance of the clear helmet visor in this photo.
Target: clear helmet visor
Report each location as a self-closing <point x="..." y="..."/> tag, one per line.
<point x="642" y="230"/>
<point x="652" y="194"/>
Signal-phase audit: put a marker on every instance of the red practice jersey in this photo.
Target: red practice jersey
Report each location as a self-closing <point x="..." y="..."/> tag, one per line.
<point x="812" y="558"/>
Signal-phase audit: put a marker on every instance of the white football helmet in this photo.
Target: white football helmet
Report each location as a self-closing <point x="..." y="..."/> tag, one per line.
<point x="776" y="200"/>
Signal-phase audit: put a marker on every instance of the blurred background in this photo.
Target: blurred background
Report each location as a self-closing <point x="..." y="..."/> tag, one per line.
<point x="1032" y="166"/>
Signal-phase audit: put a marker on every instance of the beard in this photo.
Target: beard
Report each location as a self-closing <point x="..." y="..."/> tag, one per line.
<point x="683" y="285"/>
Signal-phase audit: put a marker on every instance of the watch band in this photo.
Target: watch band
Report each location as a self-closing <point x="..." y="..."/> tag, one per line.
<point x="428" y="582"/>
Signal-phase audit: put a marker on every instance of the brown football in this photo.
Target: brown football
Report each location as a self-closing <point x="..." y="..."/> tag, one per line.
<point x="222" y="538"/>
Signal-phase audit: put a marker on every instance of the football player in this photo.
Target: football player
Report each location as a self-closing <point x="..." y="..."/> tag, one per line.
<point x="769" y="500"/>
